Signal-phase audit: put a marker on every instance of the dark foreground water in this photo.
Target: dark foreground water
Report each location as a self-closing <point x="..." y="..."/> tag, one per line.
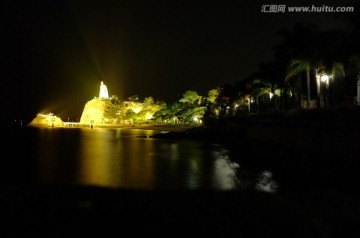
<point x="123" y="158"/>
<point x="58" y="182"/>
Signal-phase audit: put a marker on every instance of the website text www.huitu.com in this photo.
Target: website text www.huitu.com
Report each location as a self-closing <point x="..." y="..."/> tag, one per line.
<point x="308" y="9"/>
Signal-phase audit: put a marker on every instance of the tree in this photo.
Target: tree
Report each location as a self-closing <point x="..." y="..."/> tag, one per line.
<point x="211" y="107"/>
<point x="228" y="94"/>
<point x="149" y="109"/>
<point x="190" y="97"/>
<point x="112" y="112"/>
<point x="245" y="89"/>
<point x="133" y="98"/>
<point x="300" y="52"/>
<point x="295" y="68"/>
<point x="115" y="100"/>
<point x="191" y="107"/>
<point x="212" y="95"/>
<point x="266" y="87"/>
<point x="337" y="74"/>
<point x="148" y="101"/>
<point x="270" y="77"/>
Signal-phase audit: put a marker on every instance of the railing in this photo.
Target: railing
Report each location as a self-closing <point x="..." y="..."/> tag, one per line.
<point x="72" y="124"/>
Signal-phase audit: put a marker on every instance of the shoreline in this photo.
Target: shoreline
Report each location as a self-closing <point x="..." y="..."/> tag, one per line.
<point x="170" y="128"/>
<point x="148" y="127"/>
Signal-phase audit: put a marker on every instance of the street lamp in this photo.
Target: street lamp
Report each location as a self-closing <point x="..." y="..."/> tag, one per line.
<point x="324" y="78"/>
<point x="235" y="108"/>
<point x="271" y="95"/>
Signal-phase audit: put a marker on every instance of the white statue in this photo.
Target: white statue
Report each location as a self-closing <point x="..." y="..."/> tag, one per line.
<point x="103" y="91"/>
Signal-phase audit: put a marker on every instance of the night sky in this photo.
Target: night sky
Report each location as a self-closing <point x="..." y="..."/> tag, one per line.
<point x="55" y="53"/>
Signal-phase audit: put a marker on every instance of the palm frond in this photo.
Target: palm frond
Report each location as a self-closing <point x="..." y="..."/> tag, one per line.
<point x="277" y="92"/>
<point x="295" y="67"/>
<point x="338" y="69"/>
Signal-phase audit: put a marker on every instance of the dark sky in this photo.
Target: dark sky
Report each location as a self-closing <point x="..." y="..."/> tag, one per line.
<point x="55" y="53"/>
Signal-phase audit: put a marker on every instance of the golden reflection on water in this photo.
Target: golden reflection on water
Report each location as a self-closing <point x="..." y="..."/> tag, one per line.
<point x="123" y="158"/>
<point x="108" y="160"/>
<point x="46" y="154"/>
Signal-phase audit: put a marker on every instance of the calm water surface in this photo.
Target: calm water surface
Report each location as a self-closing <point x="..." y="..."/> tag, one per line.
<point x="123" y="158"/>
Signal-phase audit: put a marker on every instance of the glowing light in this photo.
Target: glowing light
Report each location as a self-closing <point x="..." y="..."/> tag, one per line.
<point x="136" y="109"/>
<point x="271" y="95"/>
<point x="148" y="116"/>
<point x="324" y="78"/>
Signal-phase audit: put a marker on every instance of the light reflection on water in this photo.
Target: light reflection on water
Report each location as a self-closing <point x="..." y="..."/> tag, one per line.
<point x="266" y="182"/>
<point x="225" y="170"/>
<point x="115" y="159"/>
<point x="128" y="158"/>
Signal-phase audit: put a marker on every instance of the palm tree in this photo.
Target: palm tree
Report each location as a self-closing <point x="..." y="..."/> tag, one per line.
<point x="298" y="66"/>
<point x="337" y="74"/>
<point x="299" y="52"/>
<point x="295" y="68"/>
<point x="226" y="97"/>
<point x="244" y="89"/>
<point x="266" y="87"/>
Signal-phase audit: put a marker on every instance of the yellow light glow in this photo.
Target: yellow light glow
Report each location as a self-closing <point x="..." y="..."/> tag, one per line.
<point x="101" y="165"/>
<point x="136" y="109"/>
<point x="324" y="78"/>
<point x="148" y="116"/>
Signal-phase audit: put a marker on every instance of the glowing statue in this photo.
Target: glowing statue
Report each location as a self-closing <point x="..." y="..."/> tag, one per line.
<point x="103" y="91"/>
